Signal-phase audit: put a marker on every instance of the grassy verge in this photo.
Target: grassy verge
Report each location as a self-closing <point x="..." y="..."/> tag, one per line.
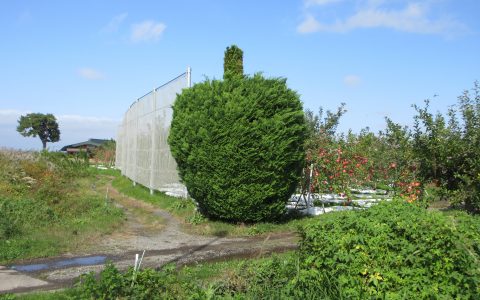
<point x="50" y="205"/>
<point x="217" y="280"/>
<point x="194" y="222"/>
<point x="342" y="257"/>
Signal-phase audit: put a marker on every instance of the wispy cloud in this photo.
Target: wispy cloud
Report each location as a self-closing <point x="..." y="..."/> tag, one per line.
<point x="319" y="2"/>
<point x="147" y="31"/>
<point x="85" y="119"/>
<point x="114" y="23"/>
<point x="352" y="80"/>
<point x="90" y="74"/>
<point x="414" y="17"/>
<point x="309" y="25"/>
<point x="8" y="116"/>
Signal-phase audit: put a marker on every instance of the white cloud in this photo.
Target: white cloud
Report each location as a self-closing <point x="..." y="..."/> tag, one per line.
<point x="147" y="31"/>
<point x="114" y="23"/>
<point x="319" y="2"/>
<point x="9" y="116"/>
<point x="85" y="119"/>
<point x="414" y="18"/>
<point x="90" y="74"/>
<point x="352" y="80"/>
<point x="77" y="128"/>
<point x="309" y="25"/>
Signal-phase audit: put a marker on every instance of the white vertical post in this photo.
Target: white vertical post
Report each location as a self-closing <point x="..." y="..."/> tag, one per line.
<point x="152" y="147"/>
<point x="189" y="77"/>
<point x="135" y="151"/>
<point x="309" y="197"/>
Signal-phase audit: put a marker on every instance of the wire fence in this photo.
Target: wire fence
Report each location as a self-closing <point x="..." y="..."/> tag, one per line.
<point x="142" y="153"/>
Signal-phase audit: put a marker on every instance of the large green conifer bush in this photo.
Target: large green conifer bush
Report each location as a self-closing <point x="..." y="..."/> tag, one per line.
<point x="233" y="62"/>
<point x="238" y="144"/>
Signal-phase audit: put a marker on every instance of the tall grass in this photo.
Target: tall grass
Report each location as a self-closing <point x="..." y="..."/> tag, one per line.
<point x="49" y="203"/>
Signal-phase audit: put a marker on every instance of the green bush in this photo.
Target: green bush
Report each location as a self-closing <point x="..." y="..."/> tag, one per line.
<point x="233" y="62"/>
<point x="238" y="144"/>
<point x="144" y="284"/>
<point x="269" y="278"/>
<point x="394" y="250"/>
<point x="22" y="215"/>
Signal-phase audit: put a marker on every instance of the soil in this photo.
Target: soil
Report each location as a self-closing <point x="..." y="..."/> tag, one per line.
<point x="162" y="239"/>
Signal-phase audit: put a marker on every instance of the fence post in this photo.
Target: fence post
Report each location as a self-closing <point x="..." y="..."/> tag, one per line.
<point x="135" y="147"/>
<point x="152" y="147"/>
<point x="189" y="77"/>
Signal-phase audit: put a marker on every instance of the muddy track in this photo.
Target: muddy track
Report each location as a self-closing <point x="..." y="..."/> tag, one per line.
<point x="163" y="241"/>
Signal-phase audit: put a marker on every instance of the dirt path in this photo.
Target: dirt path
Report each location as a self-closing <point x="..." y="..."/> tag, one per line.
<point x="159" y="234"/>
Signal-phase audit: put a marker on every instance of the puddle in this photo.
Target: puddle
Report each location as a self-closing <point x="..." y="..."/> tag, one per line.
<point x="77" y="261"/>
<point x="31" y="268"/>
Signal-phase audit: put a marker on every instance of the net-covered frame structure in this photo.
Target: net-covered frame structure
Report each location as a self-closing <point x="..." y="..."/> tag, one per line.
<point x="143" y="153"/>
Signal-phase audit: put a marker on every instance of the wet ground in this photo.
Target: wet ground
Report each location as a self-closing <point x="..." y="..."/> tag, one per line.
<point x="163" y="242"/>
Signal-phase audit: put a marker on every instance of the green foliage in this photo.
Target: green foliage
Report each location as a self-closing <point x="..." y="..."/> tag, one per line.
<point x="196" y="218"/>
<point x="144" y="284"/>
<point x="196" y="223"/>
<point x="272" y="278"/>
<point x="239" y="146"/>
<point x="22" y="214"/>
<point x="233" y="62"/>
<point x="393" y="250"/>
<point x="322" y="125"/>
<point x="105" y="153"/>
<point x="447" y="148"/>
<point x="269" y="278"/>
<point x="44" y="126"/>
<point x="342" y="162"/>
<point x="47" y="204"/>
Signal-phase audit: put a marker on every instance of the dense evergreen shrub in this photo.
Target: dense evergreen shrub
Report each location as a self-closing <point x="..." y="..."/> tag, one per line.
<point x="238" y="144"/>
<point x="393" y="250"/>
<point x="233" y="62"/>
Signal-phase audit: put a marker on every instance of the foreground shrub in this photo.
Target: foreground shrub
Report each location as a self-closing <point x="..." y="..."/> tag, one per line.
<point x="145" y="284"/>
<point x="238" y="146"/>
<point x="394" y="250"/>
<point x="269" y="278"/>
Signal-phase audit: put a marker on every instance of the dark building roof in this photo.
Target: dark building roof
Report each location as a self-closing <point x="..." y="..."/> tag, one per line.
<point x="89" y="143"/>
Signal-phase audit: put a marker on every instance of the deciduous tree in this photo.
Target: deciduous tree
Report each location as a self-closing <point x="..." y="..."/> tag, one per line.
<point x="44" y="126"/>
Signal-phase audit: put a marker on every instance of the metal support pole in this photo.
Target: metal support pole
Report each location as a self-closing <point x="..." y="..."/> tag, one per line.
<point x="153" y="141"/>
<point x="189" y="77"/>
<point x="135" y="151"/>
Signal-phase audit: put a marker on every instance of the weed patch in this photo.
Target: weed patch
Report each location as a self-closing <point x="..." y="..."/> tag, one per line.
<point x="49" y="203"/>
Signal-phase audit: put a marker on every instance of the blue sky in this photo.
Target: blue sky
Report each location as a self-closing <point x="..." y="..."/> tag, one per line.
<point x="87" y="61"/>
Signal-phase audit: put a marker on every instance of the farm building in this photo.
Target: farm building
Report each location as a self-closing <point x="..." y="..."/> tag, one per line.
<point x="87" y="146"/>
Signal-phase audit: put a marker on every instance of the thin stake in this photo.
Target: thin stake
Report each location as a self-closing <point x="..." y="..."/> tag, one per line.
<point x="141" y="259"/>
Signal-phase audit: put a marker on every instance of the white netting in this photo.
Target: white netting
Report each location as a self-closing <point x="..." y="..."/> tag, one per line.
<point x="143" y="154"/>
